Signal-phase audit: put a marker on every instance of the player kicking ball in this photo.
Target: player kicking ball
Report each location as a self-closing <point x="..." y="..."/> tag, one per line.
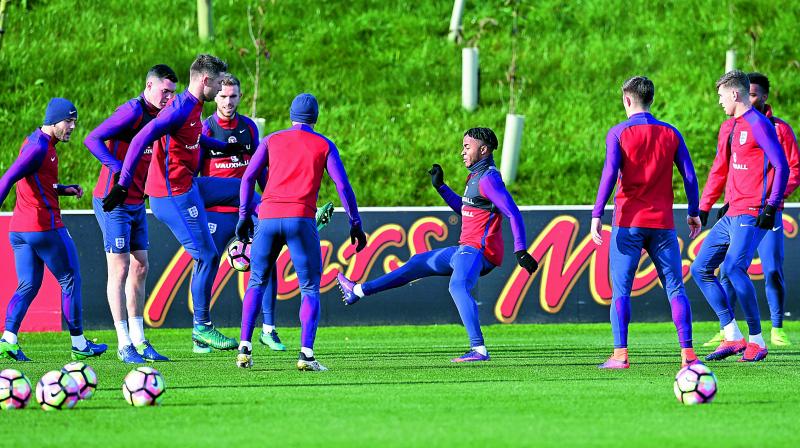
<point x="480" y="247"/>
<point x="37" y="233"/>
<point x="640" y="152"/>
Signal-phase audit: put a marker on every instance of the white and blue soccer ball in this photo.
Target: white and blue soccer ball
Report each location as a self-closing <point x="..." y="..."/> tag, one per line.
<point x="15" y="389"/>
<point x="239" y="255"/>
<point x="84" y="376"/>
<point x="57" y="391"/>
<point x="695" y="384"/>
<point x="143" y="386"/>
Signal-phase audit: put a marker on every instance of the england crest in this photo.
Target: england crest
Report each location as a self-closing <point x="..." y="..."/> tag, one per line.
<point x="119" y="242"/>
<point x="212" y="227"/>
<point x="192" y="211"/>
<point x="742" y="137"/>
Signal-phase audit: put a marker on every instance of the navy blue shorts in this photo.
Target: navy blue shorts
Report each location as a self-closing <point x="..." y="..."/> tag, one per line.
<point x="124" y="228"/>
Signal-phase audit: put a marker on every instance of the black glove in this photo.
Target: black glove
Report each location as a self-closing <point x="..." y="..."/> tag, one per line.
<point x="437" y="175"/>
<point x="244" y="229"/>
<point x="703" y="217"/>
<point x="526" y="261"/>
<point x="115" y="197"/>
<point x="233" y="149"/>
<point x="116" y="177"/>
<point x="721" y="212"/>
<point x="358" y="237"/>
<point x="766" y="219"/>
<point x="60" y="189"/>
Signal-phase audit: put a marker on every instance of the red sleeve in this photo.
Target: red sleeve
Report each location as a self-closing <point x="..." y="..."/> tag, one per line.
<point x="789" y="144"/>
<point x="718" y="175"/>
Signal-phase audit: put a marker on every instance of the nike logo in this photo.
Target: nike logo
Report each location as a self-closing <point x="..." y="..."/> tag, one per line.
<point x="52" y="159"/>
<point x="745" y="225"/>
<point x="73" y="112"/>
<point x="193" y="123"/>
<point x="775" y="229"/>
<point x="242" y="131"/>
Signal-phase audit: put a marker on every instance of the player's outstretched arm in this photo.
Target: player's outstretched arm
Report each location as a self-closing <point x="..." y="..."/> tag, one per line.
<point x="450" y="197"/>
<point x="29" y="160"/>
<point x="338" y="175"/>
<point x="69" y="190"/>
<point x="125" y="117"/>
<point x="492" y="187"/>
<point x="167" y="121"/>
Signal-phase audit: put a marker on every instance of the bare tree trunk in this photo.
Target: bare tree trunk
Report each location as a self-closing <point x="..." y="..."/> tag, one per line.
<point x="3" y="4"/>
<point x="205" y="20"/>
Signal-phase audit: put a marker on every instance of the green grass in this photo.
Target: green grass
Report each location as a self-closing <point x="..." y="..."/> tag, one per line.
<point x="389" y="81"/>
<point x="394" y="386"/>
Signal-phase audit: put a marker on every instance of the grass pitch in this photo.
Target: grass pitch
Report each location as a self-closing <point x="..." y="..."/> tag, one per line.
<point x="395" y="386"/>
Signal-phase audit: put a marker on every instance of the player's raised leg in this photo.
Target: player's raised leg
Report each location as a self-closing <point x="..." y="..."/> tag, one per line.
<point x="711" y="255"/>
<point x="185" y="216"/>
<point x="426" y="264"/>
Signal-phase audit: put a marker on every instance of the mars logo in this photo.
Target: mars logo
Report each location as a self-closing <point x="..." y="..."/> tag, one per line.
<point x="565" y="252"/>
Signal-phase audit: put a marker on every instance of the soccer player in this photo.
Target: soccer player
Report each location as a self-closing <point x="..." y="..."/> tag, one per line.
<point x="177" y="198"/>
<point x="228" y="125"/>
<point x="296" y="159"/>
<point x="770" y="250"/>
<point x="38" y="236"/>
<point x="640" y="152"/>
<point x="480" y="247"/>
<point x="125" y="228"/>
<point x="747" y="146"/>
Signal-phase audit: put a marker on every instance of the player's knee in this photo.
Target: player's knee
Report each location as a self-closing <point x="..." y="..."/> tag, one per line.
<point x="700" y="272"/>
<point x="773" y="277"/>
<point x="28" y="290"/>
<point x="139" y="271"/>
<point x="457" y="286"/>
<point x="731" y="269"/>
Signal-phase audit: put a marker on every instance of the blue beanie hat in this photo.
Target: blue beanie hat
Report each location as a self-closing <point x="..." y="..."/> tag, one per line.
<point x="59" y="109"/>
<point x="304" y="109"/>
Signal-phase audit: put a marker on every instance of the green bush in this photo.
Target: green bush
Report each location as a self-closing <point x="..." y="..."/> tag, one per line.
<point x="389" y="81"/>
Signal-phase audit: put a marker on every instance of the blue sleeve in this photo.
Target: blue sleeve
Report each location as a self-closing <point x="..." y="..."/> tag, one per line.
<point x="339" y="177"/>
<point x="167" y="121"/>
<point x="450" y="197"/>
<point x="29" y="160"/>
<point x="767" y="139"/>
<point x="124" y="118"/>
<point x="255" y="169"/>
<point x="684" y="163"/>
<point x="491" y="185"/>
<point x="610" y="173"/>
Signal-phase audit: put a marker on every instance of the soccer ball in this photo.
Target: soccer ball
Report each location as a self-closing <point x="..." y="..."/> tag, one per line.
<point x="56" y="391"/>
<point x="695" y="384"/>
<point x="239" y="255"/>
<point x="15" y="389"/>
<point x="84" y="377"/>
<point x="143" y="386"/>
